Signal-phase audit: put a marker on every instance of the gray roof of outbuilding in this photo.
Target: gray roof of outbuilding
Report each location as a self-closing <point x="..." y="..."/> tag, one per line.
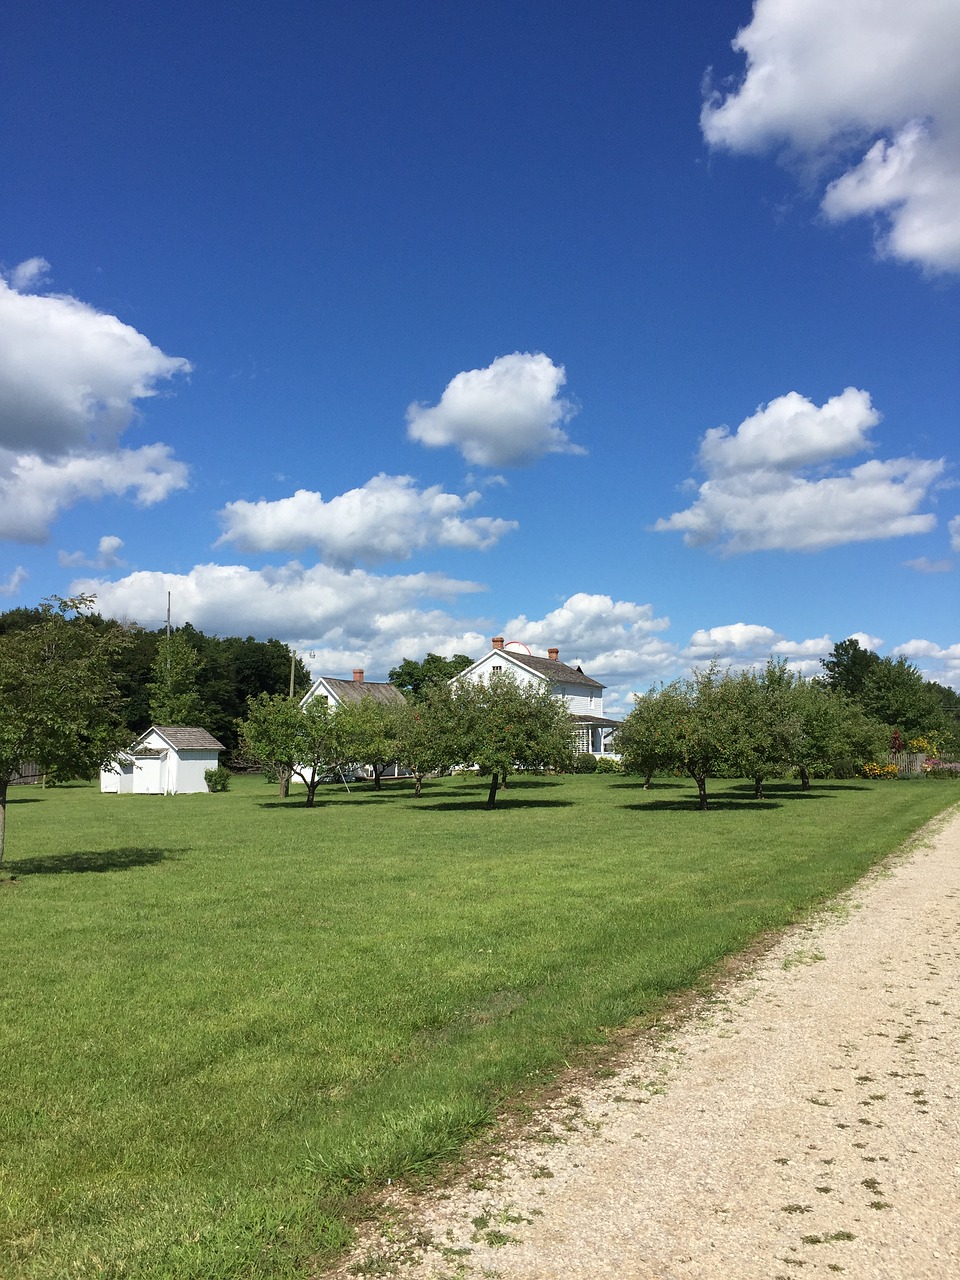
<point x="189" y="738"/>
<point x="353" y="690"/>
<point x="553" y="670"/>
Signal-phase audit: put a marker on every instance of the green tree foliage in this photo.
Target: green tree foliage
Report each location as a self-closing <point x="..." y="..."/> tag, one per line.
<point x="291" y="741"/>
<point x="643" y="740"/>
<point x="174" y="687"/>
<point x="59" y="705"/>
<point x="428" y="738"/>
<point x="504" y="725"/>
<point x="367" y="732"/>
<point x="848" y="666"/>
<point x="893" y="691"/>
<point x="413" y="678"/>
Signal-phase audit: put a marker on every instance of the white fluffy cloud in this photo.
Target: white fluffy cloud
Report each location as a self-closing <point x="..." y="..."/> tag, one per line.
<point x="70" y="381"/>
<point x="758" y="499"/>
<point x="614" y="640"/>
<point x="34" y="490"/>
<point x="934" y="661"/>
<point x="871" y="86"/>
<point x="388" y="518"/>
<point x="954" y="528"/>
<point x="506" y="415"/>
<point x="347" y="618"/>
<point x="736" y="639"/>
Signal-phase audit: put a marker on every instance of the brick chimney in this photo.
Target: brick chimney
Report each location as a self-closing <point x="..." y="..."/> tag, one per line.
<point x="553" y="655"/>
<point x="358" y="675"/>
<point x="497" y="642"/>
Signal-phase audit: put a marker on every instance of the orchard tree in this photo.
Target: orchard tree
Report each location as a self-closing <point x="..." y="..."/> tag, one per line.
<point x="290" y="741"/>
<point x="504" y="725"/>
<point x="643" y="741"/>
<point x="765" y="725"/>
<point x="59" y="705"/>
<point x="428" y="740"/>
<point x="367" y="732"/>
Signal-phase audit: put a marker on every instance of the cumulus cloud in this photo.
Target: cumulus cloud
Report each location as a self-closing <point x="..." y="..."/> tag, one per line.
<point x="71" y="378"/>
<point x="388" y="518"/>
<point x="34" y="490"/>
<point x="613" y="639"/>
<point x="868" y="86"/>
<point x="934" y="661"/>
<point x="107" y="557"/>
<point x="756" y="497"/>
<point x="367" y="619"/>
<point x="14" y="582"/>
<point x="506" y="415"/>
<point x="736" y="639"/>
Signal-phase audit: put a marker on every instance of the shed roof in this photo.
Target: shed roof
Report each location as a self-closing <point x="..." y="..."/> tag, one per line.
<point x="186" y="737"/>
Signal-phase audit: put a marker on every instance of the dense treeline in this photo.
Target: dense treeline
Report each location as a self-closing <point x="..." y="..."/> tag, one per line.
<point x="206" y="682"/>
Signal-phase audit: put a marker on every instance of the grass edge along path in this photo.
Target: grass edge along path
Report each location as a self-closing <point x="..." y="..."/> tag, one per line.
<point x="223" y="1017"/>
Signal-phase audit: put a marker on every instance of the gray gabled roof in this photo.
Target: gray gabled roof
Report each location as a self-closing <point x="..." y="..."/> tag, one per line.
<point x="558" y="672"/>
<point x="187" y="738"/>
<point x="354" y="690"/>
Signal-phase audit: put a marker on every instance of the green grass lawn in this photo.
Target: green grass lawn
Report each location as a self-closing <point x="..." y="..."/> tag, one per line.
<point x="223" y="1015"/>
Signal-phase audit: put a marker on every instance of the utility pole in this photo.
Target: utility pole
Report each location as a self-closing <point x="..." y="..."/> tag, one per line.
<point x="293" y="664"/>
<point x="168" y="631"/>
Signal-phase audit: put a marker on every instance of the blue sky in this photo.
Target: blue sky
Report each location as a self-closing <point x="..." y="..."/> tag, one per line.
<point x="384" y="329"/>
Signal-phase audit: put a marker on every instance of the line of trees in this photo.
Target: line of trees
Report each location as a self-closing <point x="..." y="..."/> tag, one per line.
<point x="763" y="724"/>
<point x="498" y="726"/>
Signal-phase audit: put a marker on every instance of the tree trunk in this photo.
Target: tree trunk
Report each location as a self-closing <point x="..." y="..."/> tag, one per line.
<point x="758" y="787"/>
<point x="311" y="792"/>
<point x="804" y="778"/>
<point x="3" y="815"/>
<point x="494" y="783"/>
<point x="503" y="778"/>
<point x="284" y="782"/>
<point x="377" y="770"/>
<point x="418" y="779"/>
<point x="701" y="781"/>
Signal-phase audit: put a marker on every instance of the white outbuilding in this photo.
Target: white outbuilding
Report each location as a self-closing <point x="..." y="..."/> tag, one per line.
<point x="165" y="760"/>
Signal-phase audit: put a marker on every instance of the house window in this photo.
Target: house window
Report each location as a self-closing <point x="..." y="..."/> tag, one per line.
<point x="496" y="670"/>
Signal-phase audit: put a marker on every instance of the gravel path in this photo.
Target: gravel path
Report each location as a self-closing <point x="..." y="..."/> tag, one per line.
<point x="802" y="1123"/>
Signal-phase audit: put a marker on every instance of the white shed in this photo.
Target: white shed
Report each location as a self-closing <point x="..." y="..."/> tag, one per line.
<point x="166" y="760"/>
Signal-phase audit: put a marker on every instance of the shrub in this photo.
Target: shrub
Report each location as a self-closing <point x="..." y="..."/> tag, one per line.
<point x="607" y="764"/>
<point x="217" y="779"/>
<point x="585" y="763"/>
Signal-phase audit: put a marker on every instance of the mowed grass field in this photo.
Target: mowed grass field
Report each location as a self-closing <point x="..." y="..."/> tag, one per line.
<point x="222" y="1016"/>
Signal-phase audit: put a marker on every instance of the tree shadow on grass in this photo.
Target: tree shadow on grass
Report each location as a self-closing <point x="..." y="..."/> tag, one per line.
<point x="480" y="802"/>
<point x="714" y="805"/>
<point x="88" y="860"/>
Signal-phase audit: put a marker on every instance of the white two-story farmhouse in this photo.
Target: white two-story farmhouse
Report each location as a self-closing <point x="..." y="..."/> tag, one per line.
<point x="582" y="694"/>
